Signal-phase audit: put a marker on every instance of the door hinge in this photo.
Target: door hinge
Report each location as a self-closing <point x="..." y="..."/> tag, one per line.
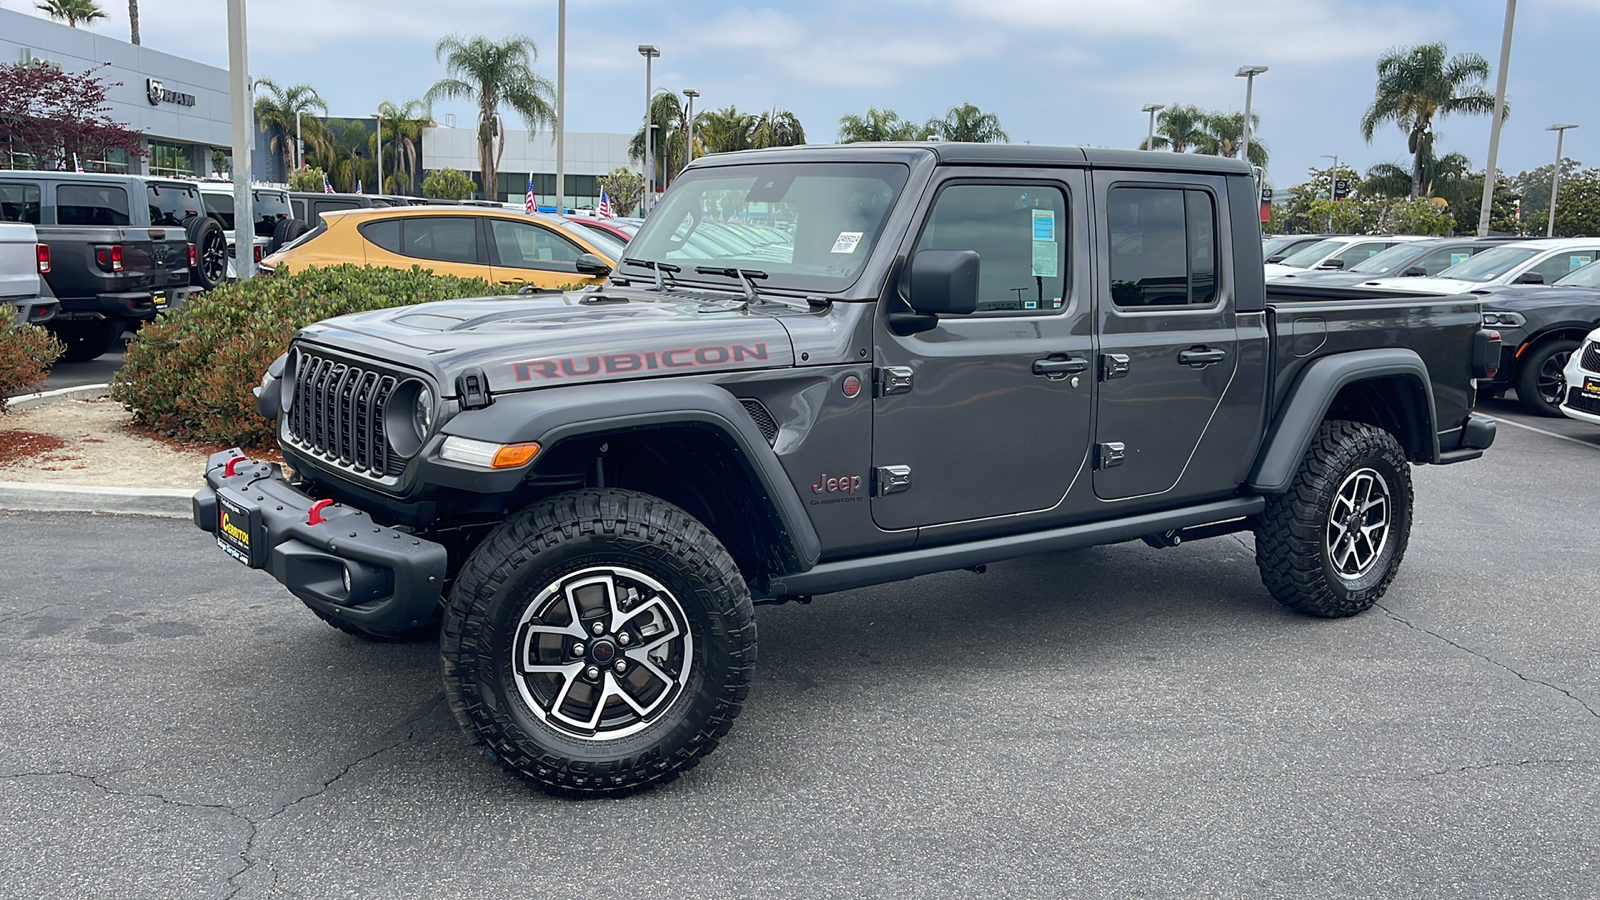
<point x="890" y="480"/>
<point x="1108" y="455"/>
<point x="1113" y="365"/>
<point x="891" y="380"/>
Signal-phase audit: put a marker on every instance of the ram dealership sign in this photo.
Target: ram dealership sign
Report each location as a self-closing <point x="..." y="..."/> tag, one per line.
<point x="157" y="94"/>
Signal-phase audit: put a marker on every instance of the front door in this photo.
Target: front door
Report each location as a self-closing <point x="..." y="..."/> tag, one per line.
<point x="988" y="414"/>
<point x="1168" y="344"/>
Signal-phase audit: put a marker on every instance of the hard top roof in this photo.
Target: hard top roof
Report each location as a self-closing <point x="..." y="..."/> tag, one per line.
<point x="955" y="154"/>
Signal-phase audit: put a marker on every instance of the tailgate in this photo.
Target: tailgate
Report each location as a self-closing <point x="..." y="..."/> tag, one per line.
<point x="19" y="269"/>
<point x="166" y="256"/>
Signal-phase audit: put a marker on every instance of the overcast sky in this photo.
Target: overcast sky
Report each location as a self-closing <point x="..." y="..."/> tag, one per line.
<point x="1056" y="71"/>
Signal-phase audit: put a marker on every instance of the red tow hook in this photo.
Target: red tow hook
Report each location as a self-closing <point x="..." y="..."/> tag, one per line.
<point x="227" y="470"/>
<point x="316" y="512"/>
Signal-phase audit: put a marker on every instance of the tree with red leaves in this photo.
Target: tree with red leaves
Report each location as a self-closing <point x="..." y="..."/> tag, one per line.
<point x="50" y="115"/>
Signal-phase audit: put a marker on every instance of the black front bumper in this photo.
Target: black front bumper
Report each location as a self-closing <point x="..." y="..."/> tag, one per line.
<point x="395" y="579"/>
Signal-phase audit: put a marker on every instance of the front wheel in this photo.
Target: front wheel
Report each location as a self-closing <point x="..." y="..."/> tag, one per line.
<point x="1542" y="379"/>
<point x="1333" y="542"/>
<point x="599" y="642"/>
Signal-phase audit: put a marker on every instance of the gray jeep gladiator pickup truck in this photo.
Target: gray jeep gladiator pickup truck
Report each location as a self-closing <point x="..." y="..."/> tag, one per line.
<point x="824" y="368"/>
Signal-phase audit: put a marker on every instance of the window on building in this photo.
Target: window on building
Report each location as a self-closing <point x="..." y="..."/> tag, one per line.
<point x="19" y="203"/>
<point x="1163" y="247"/>
<point x="171" y="159"/>
<point x="92" y="204"/>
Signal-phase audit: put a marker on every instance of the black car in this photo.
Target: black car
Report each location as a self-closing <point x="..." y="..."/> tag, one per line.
<point x="1413" y="258"/>
<point x="1279" y="247"/>
<point x="1540" y="327"/>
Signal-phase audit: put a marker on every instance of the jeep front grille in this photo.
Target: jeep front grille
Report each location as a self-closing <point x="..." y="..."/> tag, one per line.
<point x="1591" y="356"/>
<point x="765" y="423"/>
<point x="337" y="414"/>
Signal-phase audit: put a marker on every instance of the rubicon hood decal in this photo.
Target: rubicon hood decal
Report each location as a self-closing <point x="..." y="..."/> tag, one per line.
<point x="708" y="357"/>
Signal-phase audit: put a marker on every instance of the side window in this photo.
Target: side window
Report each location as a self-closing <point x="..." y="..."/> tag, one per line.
<point x="444" y="238"/>
<point x="299" y="209"/>
<point x="528" y="246"/>
<point x="385" y="234"/>
<point x="82" y="204"/>
<point x="1563" y="264"/>
<point x="1439" y="260"/>
<point x="1020" y="234"/>
<point x="220" y="207"/>
<point x="323" y="206"/>
<point x="1359" y="253"/>
<point x="1163" y="247"/>
<point x="19" y="203"/>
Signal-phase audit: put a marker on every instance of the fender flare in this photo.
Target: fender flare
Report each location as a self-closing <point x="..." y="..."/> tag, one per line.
<point x="1309" y="400"/>
<point x="552" y="416"/>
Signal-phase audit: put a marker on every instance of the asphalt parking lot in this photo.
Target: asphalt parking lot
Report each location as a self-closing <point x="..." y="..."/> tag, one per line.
<point x="1115" y="722"/>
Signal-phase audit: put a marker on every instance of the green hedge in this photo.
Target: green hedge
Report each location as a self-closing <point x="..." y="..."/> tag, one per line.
<point x="26" y="352"/>
<point x="189" y="374"/>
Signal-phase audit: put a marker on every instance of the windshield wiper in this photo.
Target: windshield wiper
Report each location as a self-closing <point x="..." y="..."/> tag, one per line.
<point x="747" y="279"/>
<point x="656" y="267"/>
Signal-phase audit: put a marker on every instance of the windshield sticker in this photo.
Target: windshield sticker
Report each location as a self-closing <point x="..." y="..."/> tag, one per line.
<point x="1577" y="262"/>
<point x="1460" y="257"/>
<point x="1044" y="225"/>
<point x="1044" y="259"/>
<point x="847" y="242"/>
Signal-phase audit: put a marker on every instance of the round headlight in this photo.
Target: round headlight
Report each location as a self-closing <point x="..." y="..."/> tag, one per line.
<point x="422" y="414"/>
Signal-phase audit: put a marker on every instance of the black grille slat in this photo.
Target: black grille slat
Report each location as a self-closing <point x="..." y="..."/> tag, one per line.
<point x="338" y="414"/>
<point x="765" y="423"/>
<point x="1582" y="402"/>
<point x="1591" y="356"/>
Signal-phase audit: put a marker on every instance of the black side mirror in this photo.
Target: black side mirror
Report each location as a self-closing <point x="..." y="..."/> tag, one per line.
<point x="944" y="282"/>
<point x="1530" y="278"/>
<point x="1414" y="272"/>
<point x="589" y="264"/>
<point x="1332" y="264"/>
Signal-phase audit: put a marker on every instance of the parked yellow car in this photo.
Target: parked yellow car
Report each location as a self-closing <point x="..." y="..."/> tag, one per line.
<point x="503" y="246"/>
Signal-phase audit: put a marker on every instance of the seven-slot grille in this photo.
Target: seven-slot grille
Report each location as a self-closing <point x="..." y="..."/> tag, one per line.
<point x="1591" y="356"/>
<point x="338" y="414"/>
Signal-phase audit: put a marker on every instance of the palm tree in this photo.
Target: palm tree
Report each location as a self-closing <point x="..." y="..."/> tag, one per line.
<point x="777" y="128"/>
<point x="969" y="124"/>
<point x="666" y="145"/>
<point x="494" y="75"/>
<point x="346" y="154"/>
<point x="880" y="125"/>
<point x="1179" y="128"/>
<point x="1223" y="134"/>
<point x="73" y="11"/>
<point x="1420" y="84"/>
<point x="402" y="129"/>
<point x="725" y="130"/>
<point x="133" y="20"/>
<point x="278" y="110"/>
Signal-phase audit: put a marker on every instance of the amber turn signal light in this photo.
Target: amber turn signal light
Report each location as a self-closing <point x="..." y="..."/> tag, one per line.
<point x="509" y="456"/>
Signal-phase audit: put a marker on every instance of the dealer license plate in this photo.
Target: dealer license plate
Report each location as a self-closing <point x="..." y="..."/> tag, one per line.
<point x="1591" y="385"/>
<point x="237" y="529"/>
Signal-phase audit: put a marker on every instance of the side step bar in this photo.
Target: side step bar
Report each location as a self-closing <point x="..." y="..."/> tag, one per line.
<point x="843" y="575"/>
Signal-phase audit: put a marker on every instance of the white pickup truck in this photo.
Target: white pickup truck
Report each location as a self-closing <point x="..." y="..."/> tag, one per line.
<point x="23" y="260"/>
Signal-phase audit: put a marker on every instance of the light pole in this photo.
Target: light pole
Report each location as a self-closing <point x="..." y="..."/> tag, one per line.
<point x="1494" y="126"/>
<point x="1248" y="73"/>
<point x="379" y="154"/>
<point x="561" y="110"/>
<point x="244" y="127"/>
<point x="1555" y="177"/>
<point x="688" y="153"/>
<point x="1152" y="109"/>
<point x="299" y="145"/>
<point x="1333" y="180"/>
<point x="649" y="52"/>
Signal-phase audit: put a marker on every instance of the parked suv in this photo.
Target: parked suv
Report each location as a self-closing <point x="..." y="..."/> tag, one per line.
<point x="1336" y="253"/>
<point x="1520" y="263"/>
<point x="119" y="251"/>
<point x="1411" y="259"/>
<point x="23" y="263"/>
<point x="269" y="207"/>
<point x="1540" y="329"/>
<point x="965" y="354"/>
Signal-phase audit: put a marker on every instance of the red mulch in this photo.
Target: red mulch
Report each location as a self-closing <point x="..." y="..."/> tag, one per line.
<point x="16" y="446"/>
<point x="134" y="428"/>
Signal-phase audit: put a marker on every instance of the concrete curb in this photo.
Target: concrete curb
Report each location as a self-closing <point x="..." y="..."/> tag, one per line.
<point x="34" y="496"/>
<point x="44" y="398"/>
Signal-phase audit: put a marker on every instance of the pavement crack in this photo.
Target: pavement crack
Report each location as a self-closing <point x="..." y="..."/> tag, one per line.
<point x="1515" y="764"/>
<point x="17" y="617"/>
<point x="1491" y="660"/>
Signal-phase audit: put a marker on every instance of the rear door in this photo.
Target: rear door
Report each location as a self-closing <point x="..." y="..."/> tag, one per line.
<point x="1168" y="339"/>
<point x="448" y="245"/>
<point x="988" y="415"/>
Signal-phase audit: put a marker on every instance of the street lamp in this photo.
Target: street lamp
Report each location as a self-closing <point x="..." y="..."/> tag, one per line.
<point x="1333" y="180"/>
<point x="688" y="153"/>
<point x="1152" y="109"/>
<point x="299" y="145"/>
<point x="1486" y="207"/>
<point x="561" y="110"/>
<point x="379" y="154"/>
<point x="1555" y="179"/>
<point x="1248" y="73"/>
<point x="649" y="52"/>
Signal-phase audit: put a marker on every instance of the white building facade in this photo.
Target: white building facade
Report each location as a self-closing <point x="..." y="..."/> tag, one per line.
<point x="589" y="155"/>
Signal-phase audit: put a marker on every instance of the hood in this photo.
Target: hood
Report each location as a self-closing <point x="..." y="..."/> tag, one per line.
<point x="1278" y="270"/>
<point x="522" y="343"/>
<point x="1326" y="277"/>
<point x="1425" y="285"/>
<point x="1516" y="298"/>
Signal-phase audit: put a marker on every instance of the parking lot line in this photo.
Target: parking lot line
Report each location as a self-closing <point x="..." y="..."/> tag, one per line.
<point x="1559" y="437"/>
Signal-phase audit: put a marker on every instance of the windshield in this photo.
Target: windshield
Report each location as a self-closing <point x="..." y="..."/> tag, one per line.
<point x="1490" y="264"/>
<point x="810" y="226"/>
<point x="171" y="204"/>
<point x="1395" y="258"/>
<point x="1310" y="256"/>
<point x="1274" y="246"/>
<point x="1588" y="276"/>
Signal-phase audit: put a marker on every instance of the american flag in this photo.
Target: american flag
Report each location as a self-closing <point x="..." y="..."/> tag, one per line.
<point x="326" y="187"/>
<point x="529" y="202"/>
<point x="77" y="166"/>
<point x="358" y="185"/>
<point x="605" y="205"/>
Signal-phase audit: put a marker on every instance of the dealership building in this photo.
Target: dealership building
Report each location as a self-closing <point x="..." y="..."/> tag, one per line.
<point x="181" y="107"/>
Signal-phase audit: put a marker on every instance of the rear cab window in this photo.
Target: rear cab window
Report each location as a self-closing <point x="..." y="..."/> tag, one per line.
<point x="220" y="207"/>
<point x="20" y="202"/>
<point x="172" y="203"/>
<point x="1163" y="247"/>
<point x="269" y="208"/>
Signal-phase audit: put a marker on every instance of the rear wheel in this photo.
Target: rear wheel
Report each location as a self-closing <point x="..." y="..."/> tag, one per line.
<point x="1541" y="379"/>
<point x="599" y="642"/>
<point x="211" y="251"/>
<point x="1333" y="542"/>
<point x="87" y="339"/>
<point x="282" y="233"/>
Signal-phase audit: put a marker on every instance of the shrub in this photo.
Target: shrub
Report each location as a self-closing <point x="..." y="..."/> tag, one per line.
<point x="189" y="374"/>
<point x="447" y="184"/>
<point x="311" y="179"/>
<point x="26" y="352"/>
